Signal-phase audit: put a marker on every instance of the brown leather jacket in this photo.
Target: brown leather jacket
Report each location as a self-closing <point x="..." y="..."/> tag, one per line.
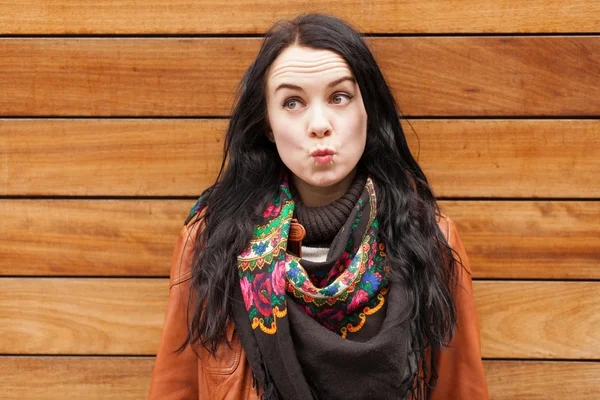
<point x="228" y="375"/>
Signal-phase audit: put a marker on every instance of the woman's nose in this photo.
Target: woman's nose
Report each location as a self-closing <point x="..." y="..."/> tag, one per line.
<point x="319" y="123"/>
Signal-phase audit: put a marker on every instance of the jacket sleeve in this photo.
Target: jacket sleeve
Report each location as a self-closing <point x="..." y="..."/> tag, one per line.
<point x="459" y="366"/>
<point x="175" y="375"/>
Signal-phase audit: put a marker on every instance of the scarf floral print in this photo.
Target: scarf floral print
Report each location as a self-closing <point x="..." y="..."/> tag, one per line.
<point x="340" y="300"/>
<point x="291" y="355"/>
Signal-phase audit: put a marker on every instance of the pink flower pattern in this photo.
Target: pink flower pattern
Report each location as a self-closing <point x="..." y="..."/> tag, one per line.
<point x="279" y="278"/>
<point x="336" y="299"/>
<point x="247" y="292"/>
<point x="359" y="299"/>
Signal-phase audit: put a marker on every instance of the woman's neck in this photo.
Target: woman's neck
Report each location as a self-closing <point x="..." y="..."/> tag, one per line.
<point x="323" y="223"/>
<point x="315" y="196"/>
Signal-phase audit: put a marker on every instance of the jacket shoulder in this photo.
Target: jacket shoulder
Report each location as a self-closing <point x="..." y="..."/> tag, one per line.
<point x="184" y="252"/>
<point x="195" y="211"/>
<point x="446" y="225"/>
<point x="450" y="232"/>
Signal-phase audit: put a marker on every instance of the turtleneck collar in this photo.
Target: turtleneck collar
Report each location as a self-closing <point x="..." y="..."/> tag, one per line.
<point x="322" y="223"/>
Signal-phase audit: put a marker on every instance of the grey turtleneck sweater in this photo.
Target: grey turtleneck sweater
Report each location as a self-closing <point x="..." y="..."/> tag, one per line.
<point x="323" y="223"/>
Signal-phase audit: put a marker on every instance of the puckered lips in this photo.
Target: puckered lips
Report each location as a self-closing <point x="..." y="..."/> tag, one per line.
<point x="323" y="156"/>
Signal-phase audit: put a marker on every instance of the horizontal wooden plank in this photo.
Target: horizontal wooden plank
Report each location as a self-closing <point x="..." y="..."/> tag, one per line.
<point x="206" y="17"/>
<point x="508" y="158"/>
<point x="487" y="76"/>
<point x="542" y="320"/>
<point x="75" y="378"/>
<point x="178" y="157"/>
<point x="81" y="316"/>
<point x="124" y="378"/>
<point x="130" y="77"/>
<point x="542" y="380"/>
<point x="529" y="240"/>
<point x="442" y="76"/>
<point x="89" y="237"/>
<point x="504" y="239"/>
<point x="109" y="157"/>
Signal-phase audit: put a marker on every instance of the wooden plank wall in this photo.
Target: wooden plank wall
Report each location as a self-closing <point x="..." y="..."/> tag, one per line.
<point x="111" y="116"/>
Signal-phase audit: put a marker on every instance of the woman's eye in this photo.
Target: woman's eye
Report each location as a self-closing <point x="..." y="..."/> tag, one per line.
<point x="339" y="98"/>
<point x="291" y="104"/>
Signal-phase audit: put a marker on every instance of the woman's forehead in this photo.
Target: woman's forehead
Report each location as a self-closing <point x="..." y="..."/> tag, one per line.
<point x="297" y="63"/>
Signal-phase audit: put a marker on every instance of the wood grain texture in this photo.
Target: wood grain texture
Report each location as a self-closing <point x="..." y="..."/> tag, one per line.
<point x="75" y="378"/>
<point x="178" y="157"/>
<point x="470" y="76"/>
<point x="508" y="158"/>
<point x="128" y="378"/>
<point x="124" y="316"/>
<point x="81" y="316"/>
<point x="508" y="239"/>
<point x="126" y="77"/>
<point x="109" y="157"/>
<point x="89" y="237"/>
<point x="243" y="17"/>
<point x="487" y="76"/>
<point x="543" y="380"/>
<point x="542" y="320"/>
<point x="439" y="76"/>
<point x="529" y="240"/>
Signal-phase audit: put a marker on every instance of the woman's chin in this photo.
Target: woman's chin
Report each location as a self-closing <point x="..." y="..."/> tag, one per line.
<point x="323" y="179"/>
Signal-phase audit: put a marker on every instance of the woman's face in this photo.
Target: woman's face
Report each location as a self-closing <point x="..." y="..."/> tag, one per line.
<point x="317" y="116"/>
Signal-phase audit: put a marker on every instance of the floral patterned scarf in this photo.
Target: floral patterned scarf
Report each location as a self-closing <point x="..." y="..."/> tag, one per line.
<point x="338" y="331"/>
<point x="340" y="300"/>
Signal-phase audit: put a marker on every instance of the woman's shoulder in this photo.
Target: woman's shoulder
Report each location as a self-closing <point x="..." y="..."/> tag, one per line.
<point x="446" y="226"/>
<point x="183" y="254"/>
<point x="194" y="212"/>
<point x="450" y="232"/>
<point x="199" y="207"/>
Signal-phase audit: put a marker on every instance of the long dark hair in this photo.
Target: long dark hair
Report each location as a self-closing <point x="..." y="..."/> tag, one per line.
<point x="419" y="256"/>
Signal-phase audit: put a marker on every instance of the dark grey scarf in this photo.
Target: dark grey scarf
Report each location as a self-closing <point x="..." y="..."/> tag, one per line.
<point x="307" y="361"/>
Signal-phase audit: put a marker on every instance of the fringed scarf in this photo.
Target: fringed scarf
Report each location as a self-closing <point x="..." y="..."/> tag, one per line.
<point x="338" y="332"/>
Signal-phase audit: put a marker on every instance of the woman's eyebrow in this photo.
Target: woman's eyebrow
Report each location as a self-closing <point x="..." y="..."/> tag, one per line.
<point x="329" y="85"/>
<point x="342" y="79"/>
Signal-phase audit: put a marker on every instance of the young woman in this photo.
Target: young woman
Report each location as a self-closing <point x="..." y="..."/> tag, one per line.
<point x="318" y="266"/>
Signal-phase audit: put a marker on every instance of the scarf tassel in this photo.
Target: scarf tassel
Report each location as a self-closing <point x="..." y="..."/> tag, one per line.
<point x="270" y="393"/>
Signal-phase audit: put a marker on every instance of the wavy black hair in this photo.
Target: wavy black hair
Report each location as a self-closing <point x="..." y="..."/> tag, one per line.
<point x="419" y="255"/>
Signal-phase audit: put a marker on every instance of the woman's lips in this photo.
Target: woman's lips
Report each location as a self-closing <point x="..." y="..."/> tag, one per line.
<point x="322" y="156"/>
<point x="323" y="159"/>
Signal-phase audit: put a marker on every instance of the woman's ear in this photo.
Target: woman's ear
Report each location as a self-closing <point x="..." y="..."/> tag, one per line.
<point x="270" y="136"/>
